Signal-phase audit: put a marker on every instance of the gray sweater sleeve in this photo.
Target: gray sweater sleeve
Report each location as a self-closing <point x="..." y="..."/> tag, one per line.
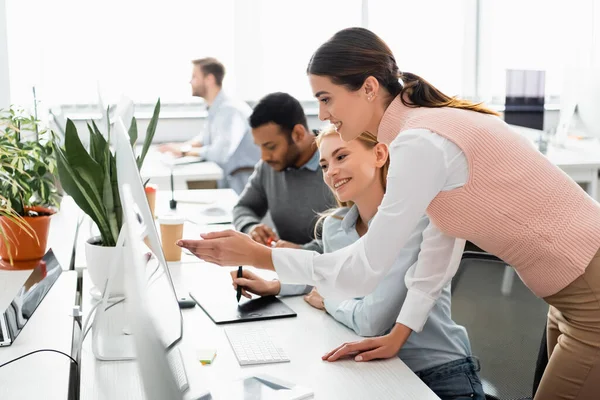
<point x="252" y="205"/>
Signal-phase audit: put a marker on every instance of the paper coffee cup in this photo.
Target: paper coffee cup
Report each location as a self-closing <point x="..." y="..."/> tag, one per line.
<point x="171" y="230"/>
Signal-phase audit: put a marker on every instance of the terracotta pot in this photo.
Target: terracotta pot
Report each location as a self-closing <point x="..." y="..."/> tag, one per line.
<point x="22" y="246"/>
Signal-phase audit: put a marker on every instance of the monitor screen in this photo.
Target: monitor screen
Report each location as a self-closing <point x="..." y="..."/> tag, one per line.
<point x="28" y="298"/>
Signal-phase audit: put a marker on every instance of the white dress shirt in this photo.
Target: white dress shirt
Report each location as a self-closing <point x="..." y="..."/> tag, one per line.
<point x="441" y="340"/>
<point x="422" y="164"/>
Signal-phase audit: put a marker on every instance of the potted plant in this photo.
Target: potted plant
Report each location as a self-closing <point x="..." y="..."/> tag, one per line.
<point x="89" y="176"/>
<point x="28" y="196"/>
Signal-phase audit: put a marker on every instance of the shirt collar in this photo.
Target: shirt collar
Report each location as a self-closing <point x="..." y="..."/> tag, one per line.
<point x="311" y="165"/>
<point x="350" y="219"/>
<point x="220" y="99"/>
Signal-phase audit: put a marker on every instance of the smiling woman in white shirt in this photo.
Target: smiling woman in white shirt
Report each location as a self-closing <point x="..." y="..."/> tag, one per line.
<point x="476" y="179"/>
<point x="356" y="172"/>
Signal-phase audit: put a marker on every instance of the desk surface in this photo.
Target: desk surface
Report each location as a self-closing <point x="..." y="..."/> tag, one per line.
<point x="42" y="375"/>
<point x="159" y="172"/>
<point x="63" y="231"/>
<point x="306" y="338"/>
<point x="574" y="152"/>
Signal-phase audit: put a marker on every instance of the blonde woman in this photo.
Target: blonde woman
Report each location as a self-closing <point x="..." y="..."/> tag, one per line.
<point x="356" y="173"/>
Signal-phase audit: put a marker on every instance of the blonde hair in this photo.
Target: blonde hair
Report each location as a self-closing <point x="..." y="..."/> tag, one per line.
<point x="368" y="140"/>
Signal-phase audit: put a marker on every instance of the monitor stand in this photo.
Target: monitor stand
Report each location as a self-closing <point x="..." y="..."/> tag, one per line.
<point x="111" y="340"/>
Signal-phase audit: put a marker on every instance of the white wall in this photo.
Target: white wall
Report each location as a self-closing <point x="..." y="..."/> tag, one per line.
<point x="4" y="77"/>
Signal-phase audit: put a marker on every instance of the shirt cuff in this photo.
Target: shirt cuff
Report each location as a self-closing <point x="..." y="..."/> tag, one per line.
<point x="415" y="310"/>
<point x="287" y="289"/>
<point x="202" y="152"/>
<point x="249" y="225"/>
<point x="331" y="306"/>
<point x="293" y="265"/>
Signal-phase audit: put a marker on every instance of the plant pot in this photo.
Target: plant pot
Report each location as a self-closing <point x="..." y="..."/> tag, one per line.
<point x="24" y="247"/>
<point x="99" y="259"/>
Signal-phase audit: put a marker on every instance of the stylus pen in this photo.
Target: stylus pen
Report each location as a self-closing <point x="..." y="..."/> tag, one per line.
<point x="240" y="274"/>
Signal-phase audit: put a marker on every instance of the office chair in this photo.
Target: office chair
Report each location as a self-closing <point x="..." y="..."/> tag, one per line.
<point x="472" y="252"/>
<point x="540" y="367"/>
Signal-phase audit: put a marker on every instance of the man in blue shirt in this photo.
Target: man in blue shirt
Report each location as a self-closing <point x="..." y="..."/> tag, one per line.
<point x="227" y="139"/>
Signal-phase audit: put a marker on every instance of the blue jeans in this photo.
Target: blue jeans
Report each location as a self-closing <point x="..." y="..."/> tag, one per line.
<point x="455" y="380"/>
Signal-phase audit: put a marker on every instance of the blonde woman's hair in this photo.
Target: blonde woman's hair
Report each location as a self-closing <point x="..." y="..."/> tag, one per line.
<point x="368" y="140"/>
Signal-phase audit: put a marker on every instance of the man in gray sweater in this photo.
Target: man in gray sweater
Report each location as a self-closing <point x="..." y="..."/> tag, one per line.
<point x="287" y="182"/>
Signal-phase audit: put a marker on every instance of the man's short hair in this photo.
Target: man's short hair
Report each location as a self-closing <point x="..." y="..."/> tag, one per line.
<point x="281" y="109"/>
<point x="210" y="65"/>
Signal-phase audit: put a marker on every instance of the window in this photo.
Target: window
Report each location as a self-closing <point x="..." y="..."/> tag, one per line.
<point x="536" y="34"/>
<point x="430" y="38"/>
<point x="69" y="48"/>
<point x="279" y="37"/>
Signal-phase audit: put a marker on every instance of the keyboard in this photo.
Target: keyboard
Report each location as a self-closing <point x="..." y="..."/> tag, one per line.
<point x="175" y="361"/>
<point x="253" y="345"/>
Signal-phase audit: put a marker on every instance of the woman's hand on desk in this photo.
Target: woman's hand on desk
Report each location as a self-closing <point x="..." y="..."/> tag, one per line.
<point x="251" y="283"/>
<point x="229" y="248"/>
<point x="386" y="346"/>
<point x="315" y="299"/>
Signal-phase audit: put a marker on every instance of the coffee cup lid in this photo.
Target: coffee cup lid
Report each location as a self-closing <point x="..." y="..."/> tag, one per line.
<point x="170" y="220"/>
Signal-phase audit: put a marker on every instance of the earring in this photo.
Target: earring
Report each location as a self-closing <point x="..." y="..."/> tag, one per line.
<point x="370" y="97"/>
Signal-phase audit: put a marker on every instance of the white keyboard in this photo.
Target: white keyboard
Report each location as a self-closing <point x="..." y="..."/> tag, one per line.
<point x="253" y="345"/>
<point x="176" y="363"/>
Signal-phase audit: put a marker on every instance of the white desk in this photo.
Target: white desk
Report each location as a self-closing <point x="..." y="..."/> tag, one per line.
<point x="63" y="229"/>
<point x="580" y="159"/>
<point x="42" y="375"/>
<point x="306" y="338"/>
<point x="159" y="173"/>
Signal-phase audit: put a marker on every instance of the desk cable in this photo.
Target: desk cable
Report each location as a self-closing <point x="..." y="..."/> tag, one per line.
<point x="39" y="351"/>
<point x="85" y="329"/>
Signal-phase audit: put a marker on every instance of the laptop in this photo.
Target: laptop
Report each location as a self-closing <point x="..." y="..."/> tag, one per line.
<point x="157" y="376"/>
<point x="28" y="298"/>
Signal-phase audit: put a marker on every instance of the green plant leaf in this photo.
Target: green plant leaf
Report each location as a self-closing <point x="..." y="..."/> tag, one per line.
<point x="85" y="196"/>
<point x="98" y="145"/>
<point x="149" y="134"/>
<point x="133" y="133"/>
<point x="107" y="195"/>
<point x="115" y="186"/>
<point x="79" y="159"/>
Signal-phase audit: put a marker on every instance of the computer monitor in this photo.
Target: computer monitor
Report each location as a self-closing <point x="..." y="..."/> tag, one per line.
<point x="151" y="355"/>
<point x="157" y="377"/>
<point x="103" y="110"/>
<point x="28" y="297"/>
<point x="163" y="299"/>
<point x="580" y="102"/>
<point x="59" y="123"/>
<point x="588" y="105"/>
<point x="125" y="111"/>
